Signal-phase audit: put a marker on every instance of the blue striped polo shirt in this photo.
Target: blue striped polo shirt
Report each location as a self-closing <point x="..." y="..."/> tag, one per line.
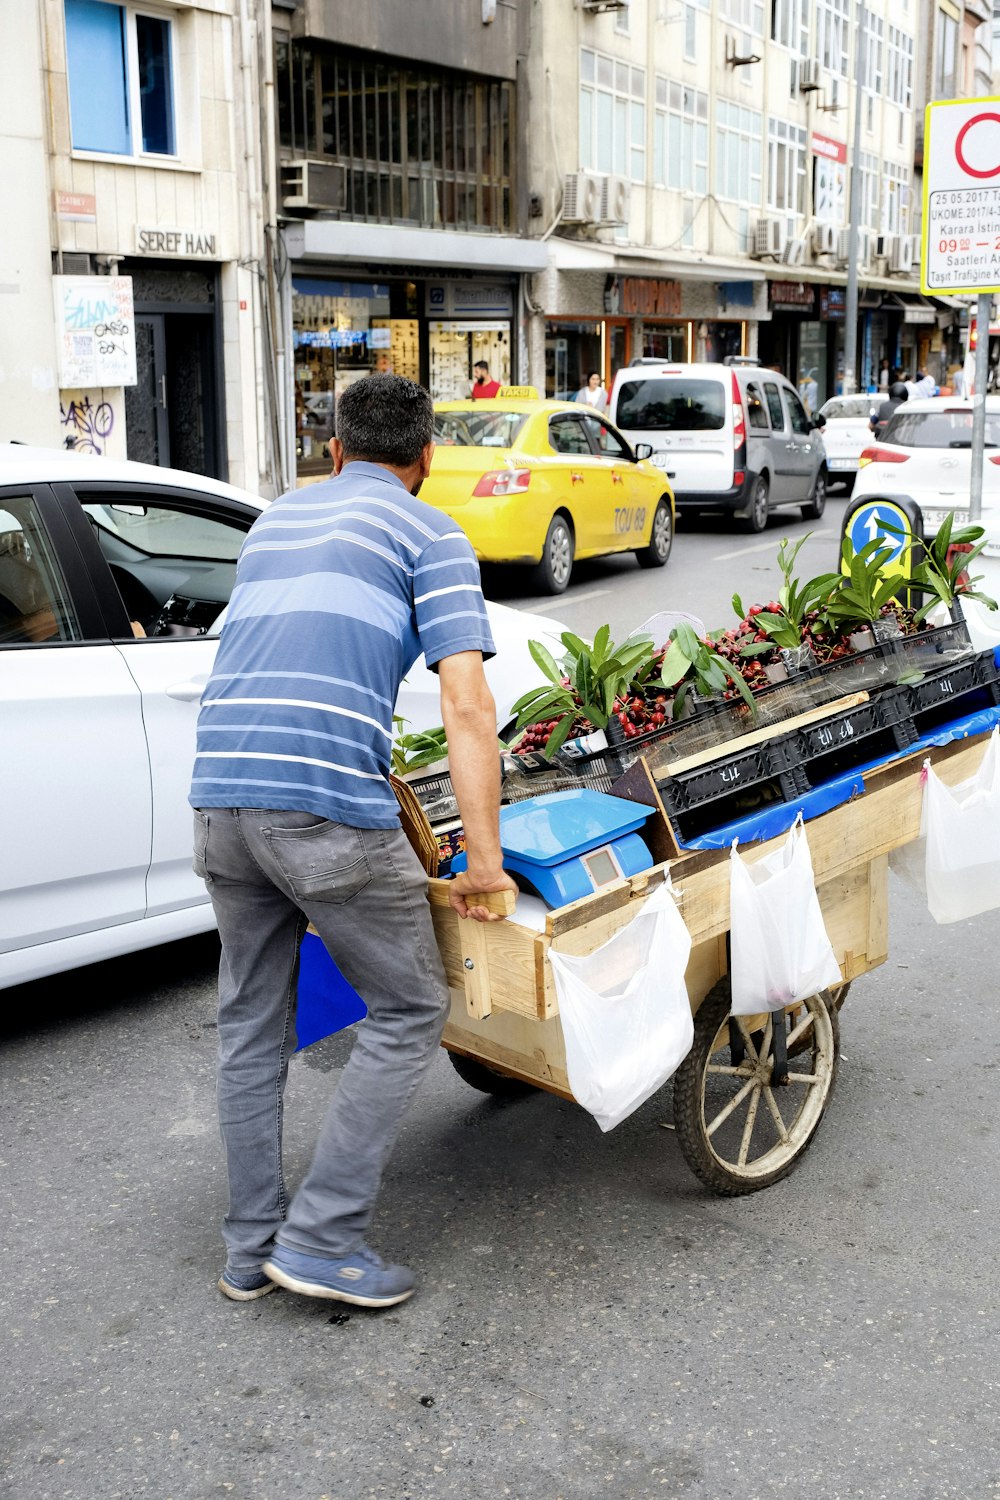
<point x="339" y="588"/>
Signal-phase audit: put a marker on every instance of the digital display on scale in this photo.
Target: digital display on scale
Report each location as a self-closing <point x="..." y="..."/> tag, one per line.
<point x="601" y="866"/>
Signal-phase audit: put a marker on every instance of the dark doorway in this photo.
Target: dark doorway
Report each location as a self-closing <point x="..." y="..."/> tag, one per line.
<point x="173" y="413"/>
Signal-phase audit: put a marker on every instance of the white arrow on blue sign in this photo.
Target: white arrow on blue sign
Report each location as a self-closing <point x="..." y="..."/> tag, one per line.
<point x="869" y="523"/>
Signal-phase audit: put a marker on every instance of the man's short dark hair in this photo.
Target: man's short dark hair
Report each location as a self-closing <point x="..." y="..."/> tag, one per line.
<point x="386" y="420"/>
<point x="480" y="365"/>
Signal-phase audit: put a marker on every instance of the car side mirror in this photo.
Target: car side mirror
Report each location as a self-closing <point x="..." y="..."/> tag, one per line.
<point x="643" y="450"/>
<point x="819" y="420"/>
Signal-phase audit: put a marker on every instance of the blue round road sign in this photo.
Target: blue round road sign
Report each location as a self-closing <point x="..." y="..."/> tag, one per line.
<point x="873" y="522"/>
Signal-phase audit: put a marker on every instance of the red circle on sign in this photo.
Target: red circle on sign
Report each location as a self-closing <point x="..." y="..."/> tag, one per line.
<point x="959" y="153"/>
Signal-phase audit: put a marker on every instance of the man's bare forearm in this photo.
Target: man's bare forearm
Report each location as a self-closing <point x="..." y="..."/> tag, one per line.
<point x="474" y="762"/>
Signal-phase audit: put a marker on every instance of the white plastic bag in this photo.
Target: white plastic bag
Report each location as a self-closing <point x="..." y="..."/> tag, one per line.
<point x="962" y="829"/>
<point x="780" y="951"/>
<point x="625" y="1012"/>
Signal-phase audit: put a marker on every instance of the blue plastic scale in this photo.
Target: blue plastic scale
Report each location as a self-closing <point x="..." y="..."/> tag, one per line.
<point x="570" y="844"/>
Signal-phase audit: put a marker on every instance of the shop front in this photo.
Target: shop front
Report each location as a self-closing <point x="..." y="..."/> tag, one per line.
<point x="351" y="322"/>
<point x="805" y="337"/>
<point x="650" y="317"/>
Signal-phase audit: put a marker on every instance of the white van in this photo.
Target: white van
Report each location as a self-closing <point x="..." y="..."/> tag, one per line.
<point x="731" y="437"/>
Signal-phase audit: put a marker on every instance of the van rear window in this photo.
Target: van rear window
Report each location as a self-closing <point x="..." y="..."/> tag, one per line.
<point x="672" y="405"/>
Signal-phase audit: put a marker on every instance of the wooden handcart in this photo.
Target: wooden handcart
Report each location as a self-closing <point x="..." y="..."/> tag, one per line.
<point x="751" y="1094"/>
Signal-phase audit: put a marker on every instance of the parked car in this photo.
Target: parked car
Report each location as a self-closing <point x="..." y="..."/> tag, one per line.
<point x="846" y="433"/>
<point x="732" y="437"/>
<point x="113" y="582"/>
<point x="546" y="483"/>
<point x="926" y="455"/>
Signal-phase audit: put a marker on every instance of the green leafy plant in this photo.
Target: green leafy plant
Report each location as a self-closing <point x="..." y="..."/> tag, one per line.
<point x="943" y="570"/>
<point x="863" y="588"/>
<point x="584" y="686"/>
<point x="691" y="663"/>
<point x="414" y="751"/>
<point x="797" y="602"/>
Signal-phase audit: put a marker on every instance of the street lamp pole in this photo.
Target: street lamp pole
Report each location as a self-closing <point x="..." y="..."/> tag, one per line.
<point x="851" y="309"/>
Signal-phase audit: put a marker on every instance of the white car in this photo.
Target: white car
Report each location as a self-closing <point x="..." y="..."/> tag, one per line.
<point x="114" y="578"/>
<point x="925" y="454"/>
<point x="847" y="433"/>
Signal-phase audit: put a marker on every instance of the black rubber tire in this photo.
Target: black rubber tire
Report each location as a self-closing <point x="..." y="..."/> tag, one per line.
<point x="487" y="1080"/>
<point x="554" y="571"/>
<point x="817" y="505"/>
<point x="689" y="1099"/>
<point x="661" y="537"/>
<point x="756" y="517"/>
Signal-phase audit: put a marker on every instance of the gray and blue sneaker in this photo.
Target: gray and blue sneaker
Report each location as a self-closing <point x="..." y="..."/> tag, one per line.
<point x="245" y="1286"/>
<point x="361" y="1278"/>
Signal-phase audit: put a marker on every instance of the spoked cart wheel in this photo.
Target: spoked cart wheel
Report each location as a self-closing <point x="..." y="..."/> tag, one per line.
<point x="739" y="1126"/>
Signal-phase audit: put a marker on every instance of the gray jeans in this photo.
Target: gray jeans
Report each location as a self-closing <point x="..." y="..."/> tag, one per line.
<point x="364" y="891"/>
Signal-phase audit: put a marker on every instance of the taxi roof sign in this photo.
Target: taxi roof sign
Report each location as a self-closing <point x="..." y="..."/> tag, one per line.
<point x="517" y="393"/>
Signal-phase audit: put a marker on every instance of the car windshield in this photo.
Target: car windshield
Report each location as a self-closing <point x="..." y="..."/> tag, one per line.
<point x="478" y="429"/>
<point x="939" y="429"/>
<point x="672" y="405"/>
<point x="853" y="406"/>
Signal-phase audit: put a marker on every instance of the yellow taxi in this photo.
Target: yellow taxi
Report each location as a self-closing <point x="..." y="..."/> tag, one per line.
<point x="547" y="482"/>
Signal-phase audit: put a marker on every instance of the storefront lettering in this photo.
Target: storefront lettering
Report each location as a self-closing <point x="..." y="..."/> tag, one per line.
<point x="174" y="242"/>
<point x="793" y="294"/>
<point x="644" y="298"/>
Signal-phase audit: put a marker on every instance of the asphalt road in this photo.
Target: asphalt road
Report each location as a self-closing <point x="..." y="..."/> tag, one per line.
<point x="590" y="1322"/>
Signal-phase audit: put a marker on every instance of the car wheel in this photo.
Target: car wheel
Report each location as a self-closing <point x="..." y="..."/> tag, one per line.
<point x="817" y="505"/>
<point x="661" y="539"/>
<point x="554" y="571"/>
<point x="756" y="517"/>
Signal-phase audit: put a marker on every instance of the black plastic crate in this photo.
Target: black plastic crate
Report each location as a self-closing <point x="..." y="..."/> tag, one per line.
<point x="696" y="805"/>
<point x="953" y="691"/>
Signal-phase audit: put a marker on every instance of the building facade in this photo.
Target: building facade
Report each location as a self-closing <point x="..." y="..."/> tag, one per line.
<point x="691" y="159"/>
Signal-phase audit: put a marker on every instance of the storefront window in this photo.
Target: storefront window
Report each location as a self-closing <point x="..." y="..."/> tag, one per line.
<point x="344" y="330"/>
<point x="572" y="350"/>
<point x="723" y="339"/>
<point x="667" y="342"/>
<point x="456" y="347"/>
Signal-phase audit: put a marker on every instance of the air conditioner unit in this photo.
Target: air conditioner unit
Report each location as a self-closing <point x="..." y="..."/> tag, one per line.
<point x="581" y="198"/>
<point x="824" y="239"/>
<point x="808" y="75"/>
<point x="616" y="193"/>
<point x="885" y="246"/>
<point x="915" y="249"/>
<point x="313" y="186"/>
<point x="901" y="253"/>
<point x="769" y="236"/>
<point x="598" y="5"/>
<point x="843" y="252"/>
<point x="794" y="252"/>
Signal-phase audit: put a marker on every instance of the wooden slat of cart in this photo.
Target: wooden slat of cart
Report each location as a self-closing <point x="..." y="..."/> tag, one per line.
<point x="849" y="847"/>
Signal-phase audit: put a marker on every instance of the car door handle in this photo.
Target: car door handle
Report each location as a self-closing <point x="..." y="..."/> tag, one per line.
<point x="617" y="477"/>
<point x="187" y="692"/>
<point x="576" y="478"/>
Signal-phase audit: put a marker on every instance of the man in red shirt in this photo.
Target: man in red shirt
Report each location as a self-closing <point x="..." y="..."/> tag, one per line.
<point x="483" y="388"/>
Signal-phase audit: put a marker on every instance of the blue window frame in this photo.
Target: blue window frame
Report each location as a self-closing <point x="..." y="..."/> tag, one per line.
<point x="98" y="77"/>
<point x="120" y="79"/>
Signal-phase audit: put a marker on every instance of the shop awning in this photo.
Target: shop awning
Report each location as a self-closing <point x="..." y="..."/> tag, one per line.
<point x="584" y="255"/>
<point x="915" y="308"/>
<point x="339" y="241"/>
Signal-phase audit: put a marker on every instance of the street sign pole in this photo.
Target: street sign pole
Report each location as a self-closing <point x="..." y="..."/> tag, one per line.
<point x="984" y="311"/>
<point x="851" y="381"/>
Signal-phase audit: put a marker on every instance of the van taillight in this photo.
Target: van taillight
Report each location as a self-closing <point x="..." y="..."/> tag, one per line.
<point x="739" y="424"/>
<point x="955" y="550"/>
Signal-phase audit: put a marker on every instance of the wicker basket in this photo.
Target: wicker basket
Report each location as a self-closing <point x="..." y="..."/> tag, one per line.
<point x="416" y="825"/>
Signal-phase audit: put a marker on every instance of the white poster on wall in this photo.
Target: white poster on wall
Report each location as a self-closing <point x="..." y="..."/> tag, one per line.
<point x="95" y="331"/>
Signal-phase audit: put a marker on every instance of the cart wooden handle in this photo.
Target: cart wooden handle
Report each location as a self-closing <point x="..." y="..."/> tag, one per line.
<point x="501" y="903"/>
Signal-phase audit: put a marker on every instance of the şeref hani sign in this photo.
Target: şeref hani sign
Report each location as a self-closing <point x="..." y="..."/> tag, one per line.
<point x="960" y="249"/>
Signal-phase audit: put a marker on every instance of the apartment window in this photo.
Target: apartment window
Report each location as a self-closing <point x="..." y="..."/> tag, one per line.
<point x="871" y="176"/>
<point x="622" y="16"/>
<point x="833" y="34"/>
<point x="690" y="33"/>
<point x="738" y="153"/>
<point x="790" y="25"/>
<point x="612" y="116"/>
<point x="786" y="167"/>
<point x="874" y="37"/>
<point x="945" y="54"/>
<point x="896" y="199"/>
<point x="899" y="68"/>
<point x="680" y="137"/>
<point x="120" y="67"/>
<point x="747" y="14"/>
<point x="417" y="146"/>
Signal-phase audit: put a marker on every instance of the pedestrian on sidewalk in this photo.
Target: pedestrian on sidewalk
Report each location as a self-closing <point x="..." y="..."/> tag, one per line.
<point x="339" y="588"/>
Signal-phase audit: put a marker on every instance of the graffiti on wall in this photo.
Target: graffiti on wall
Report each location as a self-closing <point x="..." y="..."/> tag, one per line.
<point x="87" y="427"/>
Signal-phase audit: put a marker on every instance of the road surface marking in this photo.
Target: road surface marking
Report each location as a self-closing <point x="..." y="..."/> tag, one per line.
<point x="817" y="536"/>
<point x="546" y="605"/>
